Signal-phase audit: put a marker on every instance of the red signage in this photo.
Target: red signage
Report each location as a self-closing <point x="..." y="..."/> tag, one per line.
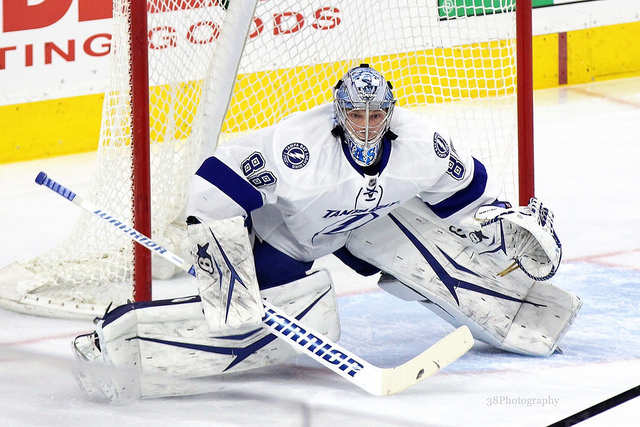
<point x="40" y="46"/>
<point x="18" y="15"/>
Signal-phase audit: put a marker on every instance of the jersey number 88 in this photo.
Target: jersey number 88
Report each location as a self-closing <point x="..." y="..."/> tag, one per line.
<point x="252" y="168"/>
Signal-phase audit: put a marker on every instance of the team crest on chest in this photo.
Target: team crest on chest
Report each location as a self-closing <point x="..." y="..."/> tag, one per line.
<point x="295" y="155"/>
<point x="440" y="146"/>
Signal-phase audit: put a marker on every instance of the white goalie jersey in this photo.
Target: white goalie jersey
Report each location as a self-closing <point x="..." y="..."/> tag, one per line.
<point x="304" y="193"/>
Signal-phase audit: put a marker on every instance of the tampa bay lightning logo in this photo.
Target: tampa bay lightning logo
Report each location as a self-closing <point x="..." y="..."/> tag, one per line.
<point x="295" y="155"/>
<point x="347" y="223"/>
<point x="440" y="145"/>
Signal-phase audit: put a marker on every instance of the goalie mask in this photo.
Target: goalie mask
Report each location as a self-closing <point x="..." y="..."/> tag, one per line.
<point x="363" y="104"/>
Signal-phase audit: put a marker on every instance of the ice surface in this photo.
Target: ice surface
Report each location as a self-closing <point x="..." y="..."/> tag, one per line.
<point x="587" y="152"/>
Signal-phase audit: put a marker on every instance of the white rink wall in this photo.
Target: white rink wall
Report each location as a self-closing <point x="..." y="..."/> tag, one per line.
<point x="32" y="70"/>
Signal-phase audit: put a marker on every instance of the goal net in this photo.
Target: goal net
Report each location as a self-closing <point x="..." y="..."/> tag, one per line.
<point x="217" y="70"/>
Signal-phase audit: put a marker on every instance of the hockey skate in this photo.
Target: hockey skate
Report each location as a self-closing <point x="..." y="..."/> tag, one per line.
<point x="99" y="382"/>
<point x="86" y="347"/>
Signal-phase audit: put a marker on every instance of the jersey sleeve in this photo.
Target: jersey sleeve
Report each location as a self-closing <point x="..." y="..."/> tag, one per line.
<point x="236" y="180"/>
<point x="450" y="181"/>
<point x="465" y="185"/>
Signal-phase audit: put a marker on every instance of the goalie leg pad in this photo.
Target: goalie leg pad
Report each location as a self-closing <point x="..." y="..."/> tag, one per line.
<point x="226" y="274"/>
<point x="171" y="339"/>
<point x="538" y="325"/>
<point x="542" y="321"/>
<point x="435" y="266"/>
<point x="101" y="382"/>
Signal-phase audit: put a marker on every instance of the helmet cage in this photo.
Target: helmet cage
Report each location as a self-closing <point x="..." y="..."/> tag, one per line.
<point x="364" y="89"/>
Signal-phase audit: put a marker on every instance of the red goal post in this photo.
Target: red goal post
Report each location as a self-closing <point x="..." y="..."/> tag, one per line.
<point x="140" y="154"/>
<point x="217" y="68"/>
<point x="524" y="46"/>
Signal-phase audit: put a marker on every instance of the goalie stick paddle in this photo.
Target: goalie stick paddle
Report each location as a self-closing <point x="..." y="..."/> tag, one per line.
<point x="375" y="380"/>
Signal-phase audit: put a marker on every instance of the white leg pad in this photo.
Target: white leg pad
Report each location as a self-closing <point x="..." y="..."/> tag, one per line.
<point x="169" y="339"/>
<point x="435" y="267"/>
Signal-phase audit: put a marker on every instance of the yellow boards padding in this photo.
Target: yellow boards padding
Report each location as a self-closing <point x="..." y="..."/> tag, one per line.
<point x="72" y="125"/>
<point x="49" y="128"/>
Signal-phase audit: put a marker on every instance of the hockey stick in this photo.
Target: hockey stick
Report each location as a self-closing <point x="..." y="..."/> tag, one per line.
<point x="375" y="380"/>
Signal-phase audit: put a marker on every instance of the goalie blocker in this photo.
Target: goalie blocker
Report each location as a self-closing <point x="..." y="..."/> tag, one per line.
<point x="226" y="274"/>
<point x="447" y="272"/>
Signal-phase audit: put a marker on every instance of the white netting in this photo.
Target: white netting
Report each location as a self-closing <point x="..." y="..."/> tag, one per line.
<point x="456" y="67"/>
<point x="442" y="60"/>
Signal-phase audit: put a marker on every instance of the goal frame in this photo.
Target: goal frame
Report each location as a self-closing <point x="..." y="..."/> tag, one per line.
<point x="524" y="87"/>
<point x="140" y="141"/>
<point x="141" y="182"/>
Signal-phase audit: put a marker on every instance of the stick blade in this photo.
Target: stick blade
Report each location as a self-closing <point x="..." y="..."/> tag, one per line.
<point x="441" y="354"/>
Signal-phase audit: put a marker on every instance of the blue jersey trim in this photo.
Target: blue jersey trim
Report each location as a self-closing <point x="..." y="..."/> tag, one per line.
<point x="229" y="182"/>
<point x="464" y="197"/>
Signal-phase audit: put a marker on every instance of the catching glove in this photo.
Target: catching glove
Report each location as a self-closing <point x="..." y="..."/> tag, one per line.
<point x="525" y="234"/>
